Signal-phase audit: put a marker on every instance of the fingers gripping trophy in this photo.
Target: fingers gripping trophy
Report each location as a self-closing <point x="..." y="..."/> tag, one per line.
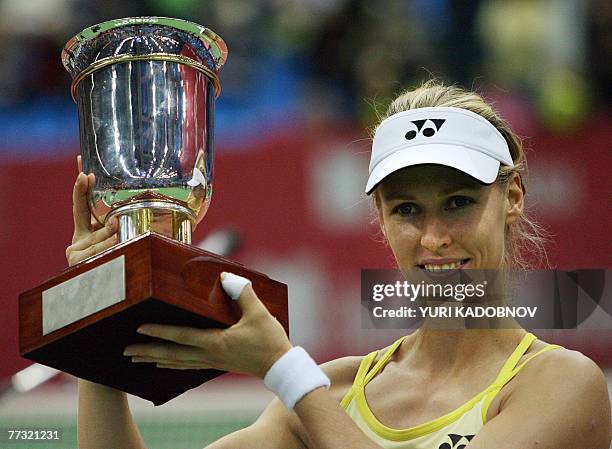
<point x="145" y="90"/>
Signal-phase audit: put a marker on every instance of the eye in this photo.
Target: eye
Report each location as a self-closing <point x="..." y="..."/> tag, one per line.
<point x="406" y="209"/>
<point x="459" y="202"/>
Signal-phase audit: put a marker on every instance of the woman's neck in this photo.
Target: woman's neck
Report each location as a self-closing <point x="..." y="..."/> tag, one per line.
<point x="442" y="350"/>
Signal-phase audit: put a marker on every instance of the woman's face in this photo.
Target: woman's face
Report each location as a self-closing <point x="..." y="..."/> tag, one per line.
<point x="437" y="218"/>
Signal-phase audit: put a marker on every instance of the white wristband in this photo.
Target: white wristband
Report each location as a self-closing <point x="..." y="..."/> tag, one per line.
<point x="294" y="375"/>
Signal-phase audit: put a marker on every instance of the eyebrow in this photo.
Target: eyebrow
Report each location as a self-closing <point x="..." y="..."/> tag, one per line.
<point x="397" y="196"/>
<point x="402" y="195"/>
<point x="470" y="185"/>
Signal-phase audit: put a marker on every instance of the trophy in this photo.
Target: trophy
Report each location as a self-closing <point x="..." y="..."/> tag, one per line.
<point x="145" y="89"/>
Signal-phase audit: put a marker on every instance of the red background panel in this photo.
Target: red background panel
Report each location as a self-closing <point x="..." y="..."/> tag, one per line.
<point x="265" y="191"/>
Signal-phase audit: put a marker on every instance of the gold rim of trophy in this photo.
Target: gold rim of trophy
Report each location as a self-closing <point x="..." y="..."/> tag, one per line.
<point x="98" y="65"/>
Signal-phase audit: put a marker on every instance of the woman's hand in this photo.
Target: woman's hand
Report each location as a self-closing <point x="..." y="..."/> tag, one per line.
<point x="89" y="237"/>
<point x="251" y="346"/>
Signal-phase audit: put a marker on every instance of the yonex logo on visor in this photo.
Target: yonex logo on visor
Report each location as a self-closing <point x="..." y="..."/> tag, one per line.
<point x="427" y="131"/>
<point x="453" y="137"/>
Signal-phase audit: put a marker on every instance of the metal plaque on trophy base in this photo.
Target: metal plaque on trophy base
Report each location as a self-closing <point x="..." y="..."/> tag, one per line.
<point x="145" y="88"/>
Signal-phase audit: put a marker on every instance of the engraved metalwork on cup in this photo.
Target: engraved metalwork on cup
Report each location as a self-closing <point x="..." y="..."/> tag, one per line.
<point x="145" y="89"/>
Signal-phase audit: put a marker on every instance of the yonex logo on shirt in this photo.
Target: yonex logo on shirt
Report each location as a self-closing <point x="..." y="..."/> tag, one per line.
<point x="458" y="441"/>
<point x="427" y="131"/>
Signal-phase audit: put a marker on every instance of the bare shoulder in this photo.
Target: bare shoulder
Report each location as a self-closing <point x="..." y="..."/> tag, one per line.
<point x="570" y="388"/>
<point x="563" y="369"/>
<point x="558" y="399"/>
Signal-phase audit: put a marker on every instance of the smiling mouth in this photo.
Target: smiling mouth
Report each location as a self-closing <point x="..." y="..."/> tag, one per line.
<point x="444" y="267"/>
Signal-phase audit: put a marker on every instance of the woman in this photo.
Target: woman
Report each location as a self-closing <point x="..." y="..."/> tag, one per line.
<point x="445" y="176"/>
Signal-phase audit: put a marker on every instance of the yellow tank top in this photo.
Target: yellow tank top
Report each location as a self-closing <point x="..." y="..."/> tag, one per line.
<point x="451" y="431"/>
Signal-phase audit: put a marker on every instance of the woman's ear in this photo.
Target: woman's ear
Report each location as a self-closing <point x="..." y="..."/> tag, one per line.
<point x="515" y="197"/>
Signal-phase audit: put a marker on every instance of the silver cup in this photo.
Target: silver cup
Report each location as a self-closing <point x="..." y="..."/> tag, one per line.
<point x="145" y="88"/>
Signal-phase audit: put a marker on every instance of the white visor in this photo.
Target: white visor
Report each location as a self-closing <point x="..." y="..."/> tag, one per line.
<point x="453" y="137"/>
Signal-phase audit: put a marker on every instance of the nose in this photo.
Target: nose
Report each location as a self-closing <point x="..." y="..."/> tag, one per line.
<point x="435" y="235"/>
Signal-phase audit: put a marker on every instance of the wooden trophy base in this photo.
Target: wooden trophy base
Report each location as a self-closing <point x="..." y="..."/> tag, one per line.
<point x="81" y="320"/>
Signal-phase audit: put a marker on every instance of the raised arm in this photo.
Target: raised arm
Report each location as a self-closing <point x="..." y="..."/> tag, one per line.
<point x="104" y="418"/>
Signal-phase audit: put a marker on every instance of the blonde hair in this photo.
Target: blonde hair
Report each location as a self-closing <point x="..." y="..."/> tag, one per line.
<point x="525" y="238"/>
